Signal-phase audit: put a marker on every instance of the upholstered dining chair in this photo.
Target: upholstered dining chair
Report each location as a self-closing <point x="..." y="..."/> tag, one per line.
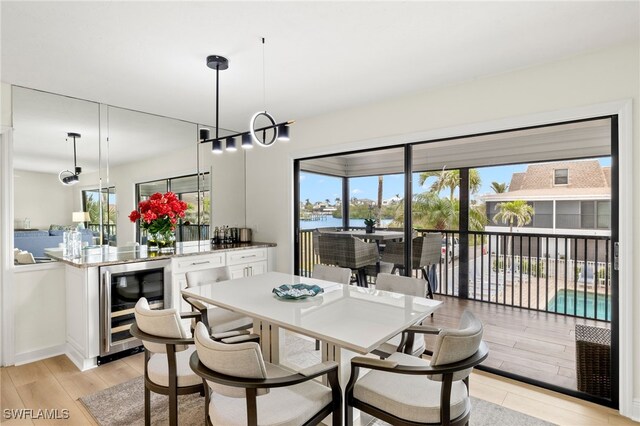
<point x="218" y="320"/>
<point x="331" y="273"/>
<point x="242" y="389"/>
<point x="426" y="251"/>
<point x="408" y="390"/>
<point x="166" y="356"/>
<point x="411" y="287"/>
<point x="348" y="251"/>
<point x="335" y="274"/>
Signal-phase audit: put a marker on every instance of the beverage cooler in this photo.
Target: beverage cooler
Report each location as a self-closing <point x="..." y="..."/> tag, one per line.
<point x="121" y="286"/>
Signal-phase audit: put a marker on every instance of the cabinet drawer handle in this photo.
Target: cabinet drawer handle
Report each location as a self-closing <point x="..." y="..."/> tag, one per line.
<point x="245" y="257"/>
<point x="201" y="263"/>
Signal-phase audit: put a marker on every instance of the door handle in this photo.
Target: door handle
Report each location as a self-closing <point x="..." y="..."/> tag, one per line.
<point x="106" y="311"/>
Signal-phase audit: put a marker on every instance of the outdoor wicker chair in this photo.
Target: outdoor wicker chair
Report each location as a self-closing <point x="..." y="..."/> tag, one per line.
<point x="350" y="252"/>
<point x="426" y="252"/>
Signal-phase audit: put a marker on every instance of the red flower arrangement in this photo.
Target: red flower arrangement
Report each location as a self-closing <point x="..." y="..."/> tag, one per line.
<point x="160" y="213"/>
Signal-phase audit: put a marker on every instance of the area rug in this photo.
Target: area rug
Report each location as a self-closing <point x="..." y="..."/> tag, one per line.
<point x="124" y="405"/>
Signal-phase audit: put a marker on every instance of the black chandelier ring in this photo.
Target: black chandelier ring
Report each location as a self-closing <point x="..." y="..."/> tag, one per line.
<point x="253" y="129"/>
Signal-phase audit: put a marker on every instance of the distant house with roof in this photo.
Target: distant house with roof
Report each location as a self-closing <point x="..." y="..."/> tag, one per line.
<point x="568" y="198"/>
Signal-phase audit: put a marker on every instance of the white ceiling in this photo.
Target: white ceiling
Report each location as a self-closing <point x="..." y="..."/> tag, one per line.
<point x="320" y="56"/>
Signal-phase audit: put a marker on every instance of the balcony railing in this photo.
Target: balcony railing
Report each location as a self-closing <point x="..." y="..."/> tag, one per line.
<point x="563" y="274"/>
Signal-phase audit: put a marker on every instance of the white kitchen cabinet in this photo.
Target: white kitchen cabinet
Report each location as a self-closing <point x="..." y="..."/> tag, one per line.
<point x="248" y="269"/>
<point x="181" y="265"/>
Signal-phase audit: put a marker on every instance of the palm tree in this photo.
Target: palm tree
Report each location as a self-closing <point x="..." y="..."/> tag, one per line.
<point x="451" y="179"/>
<point x="499" y="188"/>
<point x="516" y="212"/>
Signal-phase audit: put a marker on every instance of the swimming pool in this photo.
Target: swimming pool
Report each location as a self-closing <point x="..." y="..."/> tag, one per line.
<point x="570" y="297"/>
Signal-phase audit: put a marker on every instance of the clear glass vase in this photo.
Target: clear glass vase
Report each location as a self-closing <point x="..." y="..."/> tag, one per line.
<point x="163" y="242"/>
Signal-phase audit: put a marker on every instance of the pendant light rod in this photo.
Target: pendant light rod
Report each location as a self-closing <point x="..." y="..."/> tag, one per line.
<point x="218" y="63"/>
<point x="273" y="126"/>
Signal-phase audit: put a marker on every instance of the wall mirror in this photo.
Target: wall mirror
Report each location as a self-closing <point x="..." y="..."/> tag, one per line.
<point x="125" y="156"/>
<point x="42" y="149"/>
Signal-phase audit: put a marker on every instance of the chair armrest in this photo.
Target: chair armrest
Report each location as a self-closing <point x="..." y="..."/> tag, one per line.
<point x="240" y="382"/>
<point x="386" y="365"/>
<point x="186" y="315"/>
<point x="139" y="334"/>
<point x="423" y="329"/>
<point x="365" y="362"/>
<point x="198" y="305"/>
<point x="241" y="339"/>
<point x="225" y="334"/>
<point x="319" y="369"/>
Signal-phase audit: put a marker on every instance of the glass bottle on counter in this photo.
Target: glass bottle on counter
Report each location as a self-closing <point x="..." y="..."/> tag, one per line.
<point x="214" y="238"/>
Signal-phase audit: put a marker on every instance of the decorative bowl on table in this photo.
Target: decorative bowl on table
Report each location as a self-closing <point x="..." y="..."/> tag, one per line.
<point x="297" y="291"/>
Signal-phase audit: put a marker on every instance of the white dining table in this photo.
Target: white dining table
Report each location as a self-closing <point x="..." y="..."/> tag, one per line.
<point x="348" y="320"/>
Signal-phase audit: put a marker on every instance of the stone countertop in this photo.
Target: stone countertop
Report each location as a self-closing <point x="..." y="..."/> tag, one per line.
<point x="102" y="256"/>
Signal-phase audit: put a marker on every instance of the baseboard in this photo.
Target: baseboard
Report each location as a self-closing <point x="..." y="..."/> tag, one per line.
<point x="81" y="362"/>
<point x="39" y="354"/>
<point x="635" y="410"/>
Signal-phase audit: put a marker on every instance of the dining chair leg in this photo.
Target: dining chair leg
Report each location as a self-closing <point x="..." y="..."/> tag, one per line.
<point x="147" y="406"/>
<point x="173" y="409"/>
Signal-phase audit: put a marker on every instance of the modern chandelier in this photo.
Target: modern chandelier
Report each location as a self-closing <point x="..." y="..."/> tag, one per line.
<point x="263" y="136"/>
<point x="68" y="177"/>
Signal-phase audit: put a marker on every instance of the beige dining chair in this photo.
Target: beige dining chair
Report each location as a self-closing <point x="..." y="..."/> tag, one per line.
<point x="218" y="320"/>
<point x="408" y="390"/>
<point x="411" y="287"/>
<point x="166" y="356"/>
<point x="242" y="389"/>
<point x="332" y="273"/>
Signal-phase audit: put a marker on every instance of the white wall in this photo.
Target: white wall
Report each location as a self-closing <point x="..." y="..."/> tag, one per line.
<point x="42" y="198"/>
<point x="579" y="81"/>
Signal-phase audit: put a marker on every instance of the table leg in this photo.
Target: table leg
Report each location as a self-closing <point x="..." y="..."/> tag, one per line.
<point x="269" y="340"/>
<point x="331" y="352"/>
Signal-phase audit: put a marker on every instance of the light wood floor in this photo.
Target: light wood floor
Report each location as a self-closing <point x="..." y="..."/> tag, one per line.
<point x="57" y="383"/>
<point x="528" y="343"/>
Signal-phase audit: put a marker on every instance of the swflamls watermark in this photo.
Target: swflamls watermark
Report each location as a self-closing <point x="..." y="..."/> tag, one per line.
<point x="36" y="414"/>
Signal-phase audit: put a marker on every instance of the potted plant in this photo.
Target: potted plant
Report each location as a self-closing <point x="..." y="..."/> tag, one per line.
<point x="368" y="223"/>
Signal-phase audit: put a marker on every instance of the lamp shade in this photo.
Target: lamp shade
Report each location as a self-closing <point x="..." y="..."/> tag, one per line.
<point x="216" y="147"/>
<point x="80" y="217"/>
<point x="204" y="133"/>
<point x="231" y="144"/>
<point x="283" y="132"/>
<point x="247" y="143"/>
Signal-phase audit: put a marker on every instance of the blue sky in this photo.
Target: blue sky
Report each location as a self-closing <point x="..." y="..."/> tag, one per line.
<point x="317" y="187"/>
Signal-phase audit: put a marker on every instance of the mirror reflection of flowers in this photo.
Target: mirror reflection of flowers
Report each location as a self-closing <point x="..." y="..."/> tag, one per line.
<point x="160" y="213"/>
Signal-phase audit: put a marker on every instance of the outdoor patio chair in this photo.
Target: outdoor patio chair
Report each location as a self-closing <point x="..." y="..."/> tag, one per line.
<point x="350" y="252"/>
<point x="218" y="320"/>
<point x="242" y="389"/>
<point x="426" y="252"/>
<point x="407" y="390"/>
<point x="166" y="356"/>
